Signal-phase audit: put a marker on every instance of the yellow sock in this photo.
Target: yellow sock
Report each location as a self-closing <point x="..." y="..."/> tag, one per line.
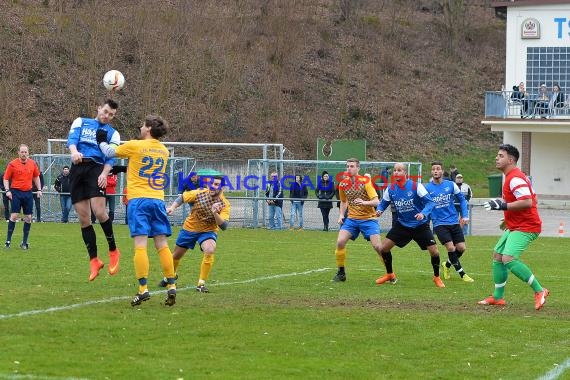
<point x="205" y="268"/>
<point x="141" y="267"/>
<point x="166" y="262"/>
<point x="340" y="257"/>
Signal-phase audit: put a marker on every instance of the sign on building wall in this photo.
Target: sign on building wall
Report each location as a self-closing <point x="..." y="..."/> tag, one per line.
<point x="530" y="28"/>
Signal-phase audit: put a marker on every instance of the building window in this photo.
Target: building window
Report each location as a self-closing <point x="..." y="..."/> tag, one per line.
<point x="547" y="65"/>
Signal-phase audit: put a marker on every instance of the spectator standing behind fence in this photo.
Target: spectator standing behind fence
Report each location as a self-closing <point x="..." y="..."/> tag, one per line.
<point x="467" y="194"/>
<point x="299" y="192"/>
<point x="61" y="185"/>
<point x="385" y="177"/>
<point x="194" y="183"/>
<point x="18" y="178"/>
<point x="5" y="199"/>
<point x="453" y="171"/>
<point x="274" y="196"/>
<point x="37" y="201"/>
<point x="325" y="192"/>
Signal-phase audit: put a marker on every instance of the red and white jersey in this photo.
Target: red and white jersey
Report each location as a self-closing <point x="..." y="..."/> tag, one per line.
<point x="516" y="187"/>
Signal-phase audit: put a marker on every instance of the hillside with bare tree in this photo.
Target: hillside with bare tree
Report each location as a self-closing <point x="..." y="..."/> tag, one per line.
<point x="406" y="75"/>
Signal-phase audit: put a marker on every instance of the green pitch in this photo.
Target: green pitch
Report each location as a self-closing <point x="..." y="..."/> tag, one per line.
<point x="273" y="313"/>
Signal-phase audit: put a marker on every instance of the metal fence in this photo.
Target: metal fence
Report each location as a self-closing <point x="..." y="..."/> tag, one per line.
<point x="249" y="208"/>
<point x="502" y="104"/>
<point x="241" y="213"/>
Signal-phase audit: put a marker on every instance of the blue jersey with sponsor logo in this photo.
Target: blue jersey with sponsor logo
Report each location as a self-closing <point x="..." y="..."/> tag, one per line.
<point x="409" y="199"/>
<point x="443" y="194"/>
<point x="83" y="135"/>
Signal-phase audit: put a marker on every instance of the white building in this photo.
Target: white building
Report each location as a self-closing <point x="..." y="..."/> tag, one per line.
<point x="537" y="52"/>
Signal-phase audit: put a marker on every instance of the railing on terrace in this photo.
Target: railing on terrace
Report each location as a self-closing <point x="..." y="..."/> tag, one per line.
<point x="502" y="104"/>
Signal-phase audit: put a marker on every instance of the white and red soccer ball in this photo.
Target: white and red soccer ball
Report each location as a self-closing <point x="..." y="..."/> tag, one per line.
<point x="113" y="80"/>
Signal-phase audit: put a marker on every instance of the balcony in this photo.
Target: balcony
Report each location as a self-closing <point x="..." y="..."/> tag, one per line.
<point x="500" y="104"/>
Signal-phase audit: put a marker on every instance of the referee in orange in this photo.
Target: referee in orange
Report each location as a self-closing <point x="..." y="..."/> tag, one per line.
<point x="18" y="179"/>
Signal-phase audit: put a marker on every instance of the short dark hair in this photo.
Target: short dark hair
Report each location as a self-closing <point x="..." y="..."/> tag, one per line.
<point x="111" y="103"/>
<point x="437" y="163"/>
<point x="65" y="167"/>
<point x="355" y="160"/>
<point x="511" y="151"/>
<point x="158" y="126"/>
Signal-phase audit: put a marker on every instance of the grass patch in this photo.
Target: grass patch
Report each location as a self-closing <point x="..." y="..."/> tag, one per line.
<point x="274" y="313"/>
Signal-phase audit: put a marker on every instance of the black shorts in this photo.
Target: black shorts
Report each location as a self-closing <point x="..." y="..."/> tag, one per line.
<point x="448" y="233"/>
<point x="83" y="180"/>
<point x="22" y="200"/>
<point x="402" y="235"/>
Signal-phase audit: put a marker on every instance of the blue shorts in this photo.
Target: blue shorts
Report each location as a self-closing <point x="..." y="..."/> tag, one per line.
<point x="147" y="217"/>
<point x="187" y="239"/>
<point x="22" y="200"/>
<point x="368" y="227"/>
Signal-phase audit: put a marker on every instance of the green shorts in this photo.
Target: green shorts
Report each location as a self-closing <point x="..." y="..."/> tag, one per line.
<point x="513" y="243"/>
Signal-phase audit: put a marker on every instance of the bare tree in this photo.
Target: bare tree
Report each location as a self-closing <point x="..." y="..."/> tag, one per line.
<point x="454" y="14"/>
<point x="347" y="8"/>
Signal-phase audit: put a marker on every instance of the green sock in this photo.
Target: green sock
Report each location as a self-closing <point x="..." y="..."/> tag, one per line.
<point x="523" y="272"/>
<point x="500" y="275"/>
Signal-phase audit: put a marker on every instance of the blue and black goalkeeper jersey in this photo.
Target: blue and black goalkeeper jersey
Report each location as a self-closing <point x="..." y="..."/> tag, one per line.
<point x="443" y="194"/>
<point x="409" y="199"/>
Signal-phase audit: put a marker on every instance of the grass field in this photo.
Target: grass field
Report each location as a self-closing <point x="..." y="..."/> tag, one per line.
<point x="273" y="313"/>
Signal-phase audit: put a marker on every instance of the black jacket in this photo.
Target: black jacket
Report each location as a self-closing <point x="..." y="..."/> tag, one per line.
<point x="559" y="101"/>
<point x="61" y="183"/>
<point x="298" y="191"/>
<point x="325" y="191"/>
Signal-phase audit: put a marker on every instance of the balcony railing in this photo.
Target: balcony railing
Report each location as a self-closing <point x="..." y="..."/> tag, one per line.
<point x="501" y="104"/>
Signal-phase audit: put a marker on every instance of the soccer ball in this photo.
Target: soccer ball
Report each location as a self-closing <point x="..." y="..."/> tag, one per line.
<point x="113" y="80"/>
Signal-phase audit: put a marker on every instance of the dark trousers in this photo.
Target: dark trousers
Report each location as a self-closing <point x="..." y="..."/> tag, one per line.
<point x="6" y="202"/>
<point x="38" y="206"/>
<point x="325" y="212"/>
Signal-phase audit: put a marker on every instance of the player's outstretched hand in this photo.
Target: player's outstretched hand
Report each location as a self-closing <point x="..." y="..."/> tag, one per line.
<point x="495" y="204"/>
<point x="101" y="136"/>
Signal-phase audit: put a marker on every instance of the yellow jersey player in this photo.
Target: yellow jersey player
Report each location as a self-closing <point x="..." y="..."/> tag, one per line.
<point x="147" y="216"/>
<point x="358" y="196"/>
<point x="210" y="213"/>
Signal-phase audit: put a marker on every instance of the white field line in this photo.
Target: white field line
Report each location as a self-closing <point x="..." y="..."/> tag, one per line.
<point x="556" y="372"/>
<point x="123" y="298"/>
<point x="15" y="376"/>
